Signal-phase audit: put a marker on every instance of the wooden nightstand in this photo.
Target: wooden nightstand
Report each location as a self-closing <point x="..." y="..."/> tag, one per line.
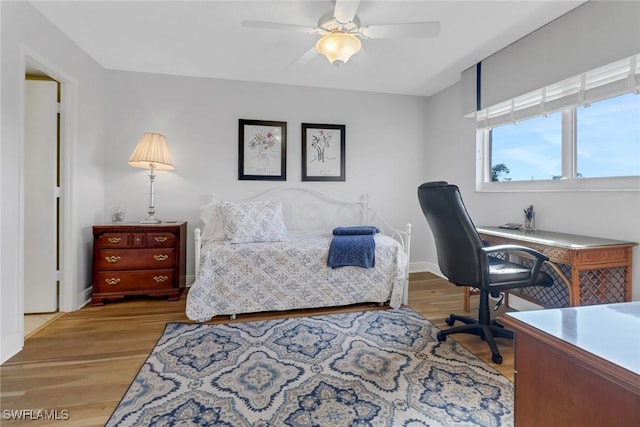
<point x="138" y="259"/>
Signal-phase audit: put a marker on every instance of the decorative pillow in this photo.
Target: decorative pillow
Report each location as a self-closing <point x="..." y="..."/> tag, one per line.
<point x="212" y="218"/>
<point x="253" y="222"/>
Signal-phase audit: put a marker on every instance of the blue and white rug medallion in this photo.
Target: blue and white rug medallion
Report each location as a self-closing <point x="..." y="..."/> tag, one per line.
<point x="372" y="368"/>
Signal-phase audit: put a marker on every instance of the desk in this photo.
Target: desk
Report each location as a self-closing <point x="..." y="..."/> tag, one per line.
<point x="577" y="366"/>
<point x="586" y="270"/>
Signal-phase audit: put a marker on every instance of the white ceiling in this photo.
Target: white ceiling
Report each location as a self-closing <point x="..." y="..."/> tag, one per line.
<point x="206" y="39"/>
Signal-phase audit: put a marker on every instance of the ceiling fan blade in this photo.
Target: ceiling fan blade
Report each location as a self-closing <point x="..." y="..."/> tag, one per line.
<point x="303" y="59"/>
<point x="345" y="10"/>
<point x="413" y="29"/>
<point x="279" y="26"/>
<point x="366" y="63"/>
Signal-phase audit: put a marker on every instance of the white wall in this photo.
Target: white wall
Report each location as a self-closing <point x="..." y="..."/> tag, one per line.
<point x="26" y="34"/>
<point x="385" y="139"/>
<point x="451" y="157"/>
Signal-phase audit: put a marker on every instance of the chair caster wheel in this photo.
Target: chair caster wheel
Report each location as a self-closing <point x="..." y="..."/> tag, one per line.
<point x="441" y="337"/>
<point x="450" y="320"/>
<point x="497" y="359"/>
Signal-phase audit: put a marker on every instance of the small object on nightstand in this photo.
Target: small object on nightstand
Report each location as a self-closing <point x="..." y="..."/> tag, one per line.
<point x="117" y="214"/>
<point x="138" y="260"/>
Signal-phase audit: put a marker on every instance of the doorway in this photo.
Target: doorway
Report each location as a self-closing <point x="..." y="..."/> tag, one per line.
<point x="41" y="196"/>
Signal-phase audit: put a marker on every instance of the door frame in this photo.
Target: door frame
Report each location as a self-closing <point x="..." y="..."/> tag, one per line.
<point x="68" y="276"/>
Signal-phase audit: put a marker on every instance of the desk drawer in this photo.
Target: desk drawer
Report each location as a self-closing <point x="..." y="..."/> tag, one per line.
<point x="120" y="281"/>
<point x="132" y="259"/>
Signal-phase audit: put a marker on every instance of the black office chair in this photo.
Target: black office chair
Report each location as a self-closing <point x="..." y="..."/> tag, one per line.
<point x="465" y="261"/>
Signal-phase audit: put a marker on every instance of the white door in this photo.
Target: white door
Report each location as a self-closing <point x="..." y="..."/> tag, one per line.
<point x="40" y="197"/>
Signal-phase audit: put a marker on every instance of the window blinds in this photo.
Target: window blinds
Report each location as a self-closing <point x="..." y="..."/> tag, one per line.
<point x="610" y="80"/>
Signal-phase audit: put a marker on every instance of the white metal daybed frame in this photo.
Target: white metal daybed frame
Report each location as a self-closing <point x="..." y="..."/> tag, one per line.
<point x="310" y="211"/>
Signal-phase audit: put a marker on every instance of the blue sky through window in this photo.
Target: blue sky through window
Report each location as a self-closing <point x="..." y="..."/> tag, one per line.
<point x="608" y="142"/>
<point x="531" y="149"/>
<point x="608" y="137"/>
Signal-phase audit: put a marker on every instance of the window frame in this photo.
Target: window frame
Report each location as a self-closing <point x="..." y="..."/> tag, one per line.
<point x="569" y="180"/>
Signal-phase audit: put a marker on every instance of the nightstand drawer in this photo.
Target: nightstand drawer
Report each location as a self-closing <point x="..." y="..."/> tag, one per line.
<point x="114" y="240"/>
<point x="132" y="259"/>
<point x="160" y="240"/>
<point x="118" y="281"/>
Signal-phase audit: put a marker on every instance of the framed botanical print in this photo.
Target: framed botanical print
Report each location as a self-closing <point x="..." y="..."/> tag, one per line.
<point x="323" y="152"/>
<point x="262" y="150"/>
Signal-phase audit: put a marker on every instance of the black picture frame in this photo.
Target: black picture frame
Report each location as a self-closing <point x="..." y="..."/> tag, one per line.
<point x="323" y="152"/>
<point x="262" y="150"/>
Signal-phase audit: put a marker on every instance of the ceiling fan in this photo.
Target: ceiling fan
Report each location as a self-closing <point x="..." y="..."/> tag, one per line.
<point x="341" y="30"/>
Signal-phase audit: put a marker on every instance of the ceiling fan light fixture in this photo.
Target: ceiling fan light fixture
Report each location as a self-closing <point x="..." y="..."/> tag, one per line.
<point x="338" y="46"/>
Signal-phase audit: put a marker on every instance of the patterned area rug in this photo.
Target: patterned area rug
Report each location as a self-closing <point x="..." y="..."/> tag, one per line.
<point x="373" y="368"/>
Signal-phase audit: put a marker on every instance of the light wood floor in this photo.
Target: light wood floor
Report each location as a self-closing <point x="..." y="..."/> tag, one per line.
<point x="84" y="361"/>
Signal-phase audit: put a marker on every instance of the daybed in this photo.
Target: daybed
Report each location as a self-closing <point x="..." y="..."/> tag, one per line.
<point x="269" y="253"/>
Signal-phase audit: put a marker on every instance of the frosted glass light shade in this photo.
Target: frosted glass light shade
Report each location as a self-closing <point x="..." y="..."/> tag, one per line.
<point x="152" y="151"/>
<point x="338" y="46"/>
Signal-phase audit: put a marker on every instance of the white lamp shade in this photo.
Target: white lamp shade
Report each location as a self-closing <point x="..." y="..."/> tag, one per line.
<point x="338" y="46"/>
<point x="152" y="151"/>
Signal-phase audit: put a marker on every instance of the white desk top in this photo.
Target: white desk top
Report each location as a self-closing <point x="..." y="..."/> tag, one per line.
<point x="609" y="331"/>
<point x="551" y="238"/>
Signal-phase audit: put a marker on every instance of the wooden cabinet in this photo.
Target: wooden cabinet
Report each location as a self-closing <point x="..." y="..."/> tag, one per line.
<point x="577" y="366"/>
<point x="130" y="259"/>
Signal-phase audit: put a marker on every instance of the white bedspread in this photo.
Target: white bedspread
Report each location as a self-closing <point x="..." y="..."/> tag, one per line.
<point x="254" y="277"/>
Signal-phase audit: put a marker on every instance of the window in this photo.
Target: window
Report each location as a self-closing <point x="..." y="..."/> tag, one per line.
<point x="608" y="138"/>
<point x="582" y="133"/>
<point x="528" y="150"/>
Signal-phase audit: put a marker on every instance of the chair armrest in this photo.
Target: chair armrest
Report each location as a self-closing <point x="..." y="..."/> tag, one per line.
<point x="514" y="248"/>
<point x="539" y="257"/>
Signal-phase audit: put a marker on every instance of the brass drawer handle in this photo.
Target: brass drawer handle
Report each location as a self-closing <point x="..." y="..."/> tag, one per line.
<point x="160" y="279"/>
<point x="160" y="257"/>
<point x="114" y="239"/>
<point x="112" y="258"/>
<point x="112" y="281"/>
<point x="161" y="239"/>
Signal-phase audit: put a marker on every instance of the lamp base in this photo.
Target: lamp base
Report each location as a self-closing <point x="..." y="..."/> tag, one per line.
<point x="150" y="220"/>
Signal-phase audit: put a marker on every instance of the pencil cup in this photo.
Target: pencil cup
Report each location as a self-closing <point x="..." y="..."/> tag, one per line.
<point x="530" y="222"/>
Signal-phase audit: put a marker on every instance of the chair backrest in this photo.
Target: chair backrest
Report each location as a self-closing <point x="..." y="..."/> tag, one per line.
<point x="457" y="241"/>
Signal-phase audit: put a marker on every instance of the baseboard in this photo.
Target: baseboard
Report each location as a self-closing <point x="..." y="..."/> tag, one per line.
<point x="84" y="297"/>
<point x="422" y="266"/>
<point x="10" y="347"/>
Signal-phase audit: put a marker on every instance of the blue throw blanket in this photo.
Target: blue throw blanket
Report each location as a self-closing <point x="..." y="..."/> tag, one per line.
<point x="355" y="230"/>
<point x="352" y="246"/>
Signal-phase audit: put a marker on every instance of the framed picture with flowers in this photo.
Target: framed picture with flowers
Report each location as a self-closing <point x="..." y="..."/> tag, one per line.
<point x="323" y="149"/>
<point x="262" y="150"/>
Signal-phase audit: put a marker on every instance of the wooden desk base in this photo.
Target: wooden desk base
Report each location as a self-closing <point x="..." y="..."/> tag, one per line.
<point x="586" y="270"/>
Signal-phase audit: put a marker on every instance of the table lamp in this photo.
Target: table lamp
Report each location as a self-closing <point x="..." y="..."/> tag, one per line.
<point x="151" y="153"/>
